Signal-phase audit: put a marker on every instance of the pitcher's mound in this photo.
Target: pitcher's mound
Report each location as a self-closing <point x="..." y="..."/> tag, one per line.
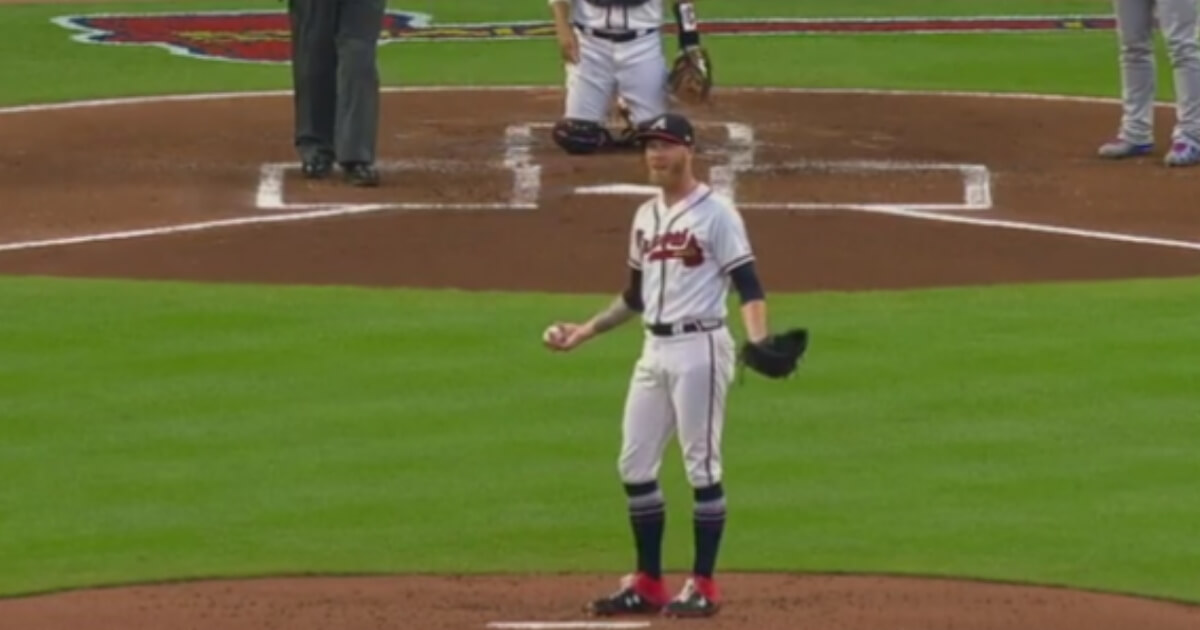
<point x="752" y="601"/>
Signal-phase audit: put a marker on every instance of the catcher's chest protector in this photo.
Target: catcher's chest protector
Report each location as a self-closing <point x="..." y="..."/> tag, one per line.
<point x="604" y="4"/>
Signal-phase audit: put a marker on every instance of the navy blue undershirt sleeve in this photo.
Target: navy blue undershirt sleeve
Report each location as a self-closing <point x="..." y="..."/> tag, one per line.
<point x="633" y="293"/>
<point x="745" y="280"/>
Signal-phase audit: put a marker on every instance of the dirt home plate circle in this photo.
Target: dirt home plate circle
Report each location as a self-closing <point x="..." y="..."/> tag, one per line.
<point x="875" y="197"/>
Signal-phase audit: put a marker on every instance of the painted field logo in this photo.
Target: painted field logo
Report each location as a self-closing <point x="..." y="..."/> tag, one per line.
<point x="263" y="36"/>
<point x="253" y="36"/>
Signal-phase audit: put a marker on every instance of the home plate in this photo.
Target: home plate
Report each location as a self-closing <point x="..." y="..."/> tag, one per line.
<point x="618" y="189"/>
<point x="567" y="625"/>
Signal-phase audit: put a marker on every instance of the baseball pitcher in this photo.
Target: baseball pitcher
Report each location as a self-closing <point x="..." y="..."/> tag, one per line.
<point x="685" y="247"/>
<point x="1135" y="27"/>
<point x="614" y="57"/>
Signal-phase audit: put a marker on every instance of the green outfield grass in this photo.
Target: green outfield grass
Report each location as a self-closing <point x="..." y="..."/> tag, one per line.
<point x="1067" y="63"/>
<point x="173" y="430"/>
<point x="155" y="430"/>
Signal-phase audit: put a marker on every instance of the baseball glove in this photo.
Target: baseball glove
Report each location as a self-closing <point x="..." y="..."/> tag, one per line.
<point x="691" y="76"/>
<point x="777" y="355"/>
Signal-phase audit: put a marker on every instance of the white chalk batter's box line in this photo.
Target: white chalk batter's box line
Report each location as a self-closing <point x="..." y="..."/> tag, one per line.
<point x="739" y="149"/>
<point x="272" y="176"/>
<point x="976" y="178"/>
<point x="342" y="211"/>
<point x="518" y="159"/>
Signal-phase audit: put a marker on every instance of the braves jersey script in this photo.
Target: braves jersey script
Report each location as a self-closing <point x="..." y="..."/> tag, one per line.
<point x="685" y="253"/>
<point x="617" y="18"/>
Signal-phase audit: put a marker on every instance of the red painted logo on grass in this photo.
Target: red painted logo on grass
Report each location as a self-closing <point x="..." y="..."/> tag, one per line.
<point x="257" y="37"/>
<point x="264" y="37"/>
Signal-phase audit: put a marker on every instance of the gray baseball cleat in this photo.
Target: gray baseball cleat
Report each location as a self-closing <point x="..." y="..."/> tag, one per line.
<point x="1120" y="149"/>
<point x="1185" y="152"/>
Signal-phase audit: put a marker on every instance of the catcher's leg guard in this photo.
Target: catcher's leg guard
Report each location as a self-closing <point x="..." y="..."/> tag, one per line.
<point x="580" y="137"/>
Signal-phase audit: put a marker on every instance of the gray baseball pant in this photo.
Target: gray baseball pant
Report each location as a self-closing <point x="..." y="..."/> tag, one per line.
<point x="336" y="77"/>
<point x="1135" y="24"/>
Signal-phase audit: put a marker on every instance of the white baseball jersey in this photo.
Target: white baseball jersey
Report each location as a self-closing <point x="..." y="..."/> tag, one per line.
<point x="680" y="382"/>
<point x="648" y="15"/>
<point x="685" y="253"/>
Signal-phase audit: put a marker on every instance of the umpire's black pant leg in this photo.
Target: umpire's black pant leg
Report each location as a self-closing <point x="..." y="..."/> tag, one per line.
<point x="358" y="79"/>
<point x="314" y="74"/>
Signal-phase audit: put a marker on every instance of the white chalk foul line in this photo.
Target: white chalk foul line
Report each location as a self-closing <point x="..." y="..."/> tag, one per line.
<point x="322" y="211"/>
<point x="567" y="625"/>
<point x="913" y="212"/>
<point x="189" y="227"/>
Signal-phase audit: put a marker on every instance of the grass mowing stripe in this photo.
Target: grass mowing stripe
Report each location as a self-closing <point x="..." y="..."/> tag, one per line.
<point x="323" y="429"/>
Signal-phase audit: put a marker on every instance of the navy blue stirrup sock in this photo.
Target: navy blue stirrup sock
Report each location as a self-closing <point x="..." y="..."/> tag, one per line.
<point x="708" y="523"/>
<point x="647" y="516"/>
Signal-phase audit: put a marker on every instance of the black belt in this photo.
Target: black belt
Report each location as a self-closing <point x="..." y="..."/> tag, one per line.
<point x="619" y="37"/>
<point x="670" y="330"/>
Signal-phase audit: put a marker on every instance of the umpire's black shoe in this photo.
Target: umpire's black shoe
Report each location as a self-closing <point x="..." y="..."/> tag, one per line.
<point x="317" y="167"/>
<point x="360" y="174"/>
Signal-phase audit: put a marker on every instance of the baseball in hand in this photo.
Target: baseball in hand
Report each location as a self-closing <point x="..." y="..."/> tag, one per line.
<point x="554" y="335"/>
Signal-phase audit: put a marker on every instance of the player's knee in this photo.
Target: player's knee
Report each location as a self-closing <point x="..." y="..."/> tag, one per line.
<point x="1184" y="52"/>
<point x="633" y="473"/>
<point x="704" y="474"/>
<point x="633" y="476"/>
<point x="356" y="53"/>
<point x="580" y="137"/>
<point x="1141" y="52"/>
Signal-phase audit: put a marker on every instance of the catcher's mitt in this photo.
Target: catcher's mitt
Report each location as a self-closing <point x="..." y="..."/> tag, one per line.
<point x="777" y="355"/>
<point x="691" y="76"/>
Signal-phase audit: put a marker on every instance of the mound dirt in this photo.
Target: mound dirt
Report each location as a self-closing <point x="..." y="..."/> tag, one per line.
<point x="752" y="601"/>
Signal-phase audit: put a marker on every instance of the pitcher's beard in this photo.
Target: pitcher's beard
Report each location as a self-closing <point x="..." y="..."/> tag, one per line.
<point x="668" y="177"/>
